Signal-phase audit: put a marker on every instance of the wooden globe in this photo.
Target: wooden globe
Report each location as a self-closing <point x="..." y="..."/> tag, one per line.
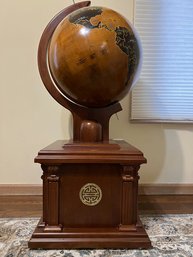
<point x="94" y="56"/>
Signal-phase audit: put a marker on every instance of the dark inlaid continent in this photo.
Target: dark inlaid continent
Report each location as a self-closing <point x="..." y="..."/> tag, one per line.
<point x="127" y="42"/>
<point x="123" y="38"/>
<point x="94" y="56"/>
<point x="83" y="17"/>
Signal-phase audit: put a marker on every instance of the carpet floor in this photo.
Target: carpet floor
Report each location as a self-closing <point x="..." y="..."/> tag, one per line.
<point x="171" y="235"/>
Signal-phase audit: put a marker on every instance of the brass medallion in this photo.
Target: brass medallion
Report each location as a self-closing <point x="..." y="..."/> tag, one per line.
<point x="90" y="194"/>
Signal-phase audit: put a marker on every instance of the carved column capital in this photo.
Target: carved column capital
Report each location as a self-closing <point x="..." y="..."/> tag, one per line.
<point x="50" y="168"/>
<point x="53" y="168"/>
<point x="130" y="173"/>
<point x="53" y="178"/>
<point x="129" y="169"/>
<point x="127" y="178"/>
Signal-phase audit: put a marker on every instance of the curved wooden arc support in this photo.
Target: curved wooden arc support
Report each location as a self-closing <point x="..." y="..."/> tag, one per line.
<point x="80" y="113"/>
<point x="42" y="54"/>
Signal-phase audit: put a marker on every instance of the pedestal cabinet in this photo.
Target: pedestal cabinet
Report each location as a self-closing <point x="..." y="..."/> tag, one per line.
<point x="90" y="195"/>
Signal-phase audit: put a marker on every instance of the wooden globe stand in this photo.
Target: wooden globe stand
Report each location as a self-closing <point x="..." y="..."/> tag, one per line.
<point x="90" y="183"/>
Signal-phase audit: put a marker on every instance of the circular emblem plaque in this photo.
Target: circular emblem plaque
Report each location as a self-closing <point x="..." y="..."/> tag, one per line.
<point x="90" y="194"/>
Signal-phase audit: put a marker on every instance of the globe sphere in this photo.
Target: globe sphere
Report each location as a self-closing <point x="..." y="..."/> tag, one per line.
<point x="94" y="56"/>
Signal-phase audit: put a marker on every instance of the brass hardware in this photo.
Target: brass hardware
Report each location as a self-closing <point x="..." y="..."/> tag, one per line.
<point x="90" y="194"/>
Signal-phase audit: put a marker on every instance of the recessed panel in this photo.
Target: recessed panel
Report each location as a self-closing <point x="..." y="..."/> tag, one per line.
<point x="90" y="195"/>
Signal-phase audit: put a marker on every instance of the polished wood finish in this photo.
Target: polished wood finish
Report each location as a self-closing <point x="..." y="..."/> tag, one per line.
<point x="52" y="203"/>
<point x="94" y="60"/>
<point x="67" y="222"/>
<point x="90" y="131"/>
<point x="79" y="113"/>
<point x="18" y="206"/>
<point x="164" y="189"/>
<point x="90" y="158"/>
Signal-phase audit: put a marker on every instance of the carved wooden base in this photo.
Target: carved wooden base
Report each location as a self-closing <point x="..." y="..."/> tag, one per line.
<point x="90" y="197"/>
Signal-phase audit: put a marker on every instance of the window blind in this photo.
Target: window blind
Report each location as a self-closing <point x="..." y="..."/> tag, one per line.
<point x="164" y="91"/>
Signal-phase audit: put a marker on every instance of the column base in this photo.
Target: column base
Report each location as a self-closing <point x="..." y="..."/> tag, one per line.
<point x="77" y="238"/>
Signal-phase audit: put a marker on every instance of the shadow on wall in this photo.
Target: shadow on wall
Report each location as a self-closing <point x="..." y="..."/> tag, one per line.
<point x="159" y="143"/>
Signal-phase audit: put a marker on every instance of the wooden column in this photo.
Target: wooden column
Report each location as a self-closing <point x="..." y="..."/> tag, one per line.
<point x="51" y="201"/>
<point x="129" y="198"/>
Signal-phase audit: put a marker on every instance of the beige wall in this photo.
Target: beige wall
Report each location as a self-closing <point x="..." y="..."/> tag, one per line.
<point x="31" y="119"/>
